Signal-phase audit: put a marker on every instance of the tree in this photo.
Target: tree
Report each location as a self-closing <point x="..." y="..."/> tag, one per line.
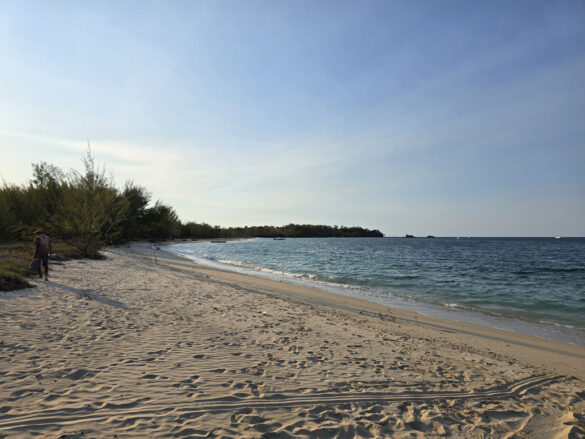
<point x="133" y="224"/>
<point x="8" y="220"/>
<point x="161" y="222"/>
<point x="90" y="210"/>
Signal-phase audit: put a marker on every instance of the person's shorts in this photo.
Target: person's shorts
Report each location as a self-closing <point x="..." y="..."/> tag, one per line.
<point x="44" y="260"/>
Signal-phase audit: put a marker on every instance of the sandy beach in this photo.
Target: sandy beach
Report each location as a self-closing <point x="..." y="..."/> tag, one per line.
<point x="129" y="348"/>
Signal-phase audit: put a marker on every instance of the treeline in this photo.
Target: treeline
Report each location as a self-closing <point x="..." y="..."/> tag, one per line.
<point x="86" y="210"/>
<point x="292" y="231"/>
<point x="83" y="209"/>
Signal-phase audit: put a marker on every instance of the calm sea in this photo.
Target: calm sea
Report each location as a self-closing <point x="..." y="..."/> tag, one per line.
<point x="530" y="285"/>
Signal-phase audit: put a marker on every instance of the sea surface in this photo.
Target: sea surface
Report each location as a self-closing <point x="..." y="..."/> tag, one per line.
<point x="529" y="285"/>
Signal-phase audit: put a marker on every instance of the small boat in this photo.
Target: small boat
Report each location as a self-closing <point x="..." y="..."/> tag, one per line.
<point x="218" y="241"/>
<point x="278" y="239"/>
<point x="557" y="237"/>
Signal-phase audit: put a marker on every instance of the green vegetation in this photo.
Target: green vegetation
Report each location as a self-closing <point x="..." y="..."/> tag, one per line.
<point x="16" y="258"/>
<point x="83" y="211"/>
<point x="288" y="231"/>
<point x="14" y="261"/>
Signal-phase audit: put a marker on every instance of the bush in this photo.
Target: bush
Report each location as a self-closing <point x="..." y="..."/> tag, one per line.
<point x="14" y="266"/>
<point x="12" y="281"/>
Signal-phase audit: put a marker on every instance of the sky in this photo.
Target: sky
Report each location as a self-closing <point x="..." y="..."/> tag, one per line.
<point x="449" y="118"/>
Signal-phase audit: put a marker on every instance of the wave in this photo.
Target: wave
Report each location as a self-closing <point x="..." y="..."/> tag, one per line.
<point x="452" y="305"/>
<point x="202" y="258"/>
<point x="550" y="270"/>
<point x="404" y="277"/>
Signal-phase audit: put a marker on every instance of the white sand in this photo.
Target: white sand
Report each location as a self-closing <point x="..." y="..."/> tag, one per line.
<point x="126" y="348"/>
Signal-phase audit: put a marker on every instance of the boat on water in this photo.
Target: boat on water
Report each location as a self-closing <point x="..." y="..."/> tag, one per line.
<point x="278" y="239"/>
<point x="557" y="237"/>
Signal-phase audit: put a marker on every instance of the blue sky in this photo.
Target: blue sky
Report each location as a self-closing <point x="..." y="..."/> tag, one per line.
<point x="447" y="118"/>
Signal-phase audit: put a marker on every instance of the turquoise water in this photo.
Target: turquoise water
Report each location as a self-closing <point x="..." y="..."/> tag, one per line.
<point x="531" y="285"/>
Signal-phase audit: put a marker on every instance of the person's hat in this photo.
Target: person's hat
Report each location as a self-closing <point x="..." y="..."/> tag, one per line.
<point x="37" y="231"/>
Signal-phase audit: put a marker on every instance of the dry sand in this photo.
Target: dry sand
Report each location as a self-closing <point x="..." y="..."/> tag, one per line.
<point x="125" y="347"/>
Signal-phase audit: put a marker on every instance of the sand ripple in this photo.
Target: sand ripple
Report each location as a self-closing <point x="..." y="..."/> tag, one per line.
<point x="125" y="348"/>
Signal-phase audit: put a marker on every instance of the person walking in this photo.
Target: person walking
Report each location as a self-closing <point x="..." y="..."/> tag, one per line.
<point x="42" y="251"/>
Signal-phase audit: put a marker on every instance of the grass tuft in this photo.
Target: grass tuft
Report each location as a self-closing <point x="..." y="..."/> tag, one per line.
<point x="12" y="281"/>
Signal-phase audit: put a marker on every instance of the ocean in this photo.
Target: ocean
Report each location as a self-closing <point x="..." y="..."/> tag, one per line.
<point x="530" y="285"/>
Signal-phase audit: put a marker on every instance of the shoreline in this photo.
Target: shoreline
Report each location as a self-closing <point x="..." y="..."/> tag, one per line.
<point x="316" y="296"/>
<point x="135" y="348"/>
<point x="547" y="330"/>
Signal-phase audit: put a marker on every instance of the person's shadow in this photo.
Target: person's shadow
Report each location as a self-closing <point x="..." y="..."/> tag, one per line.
<point x="84" y="294"/>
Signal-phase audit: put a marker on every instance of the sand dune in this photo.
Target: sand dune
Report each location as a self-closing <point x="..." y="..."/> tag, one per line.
<point x="128" y="348"/>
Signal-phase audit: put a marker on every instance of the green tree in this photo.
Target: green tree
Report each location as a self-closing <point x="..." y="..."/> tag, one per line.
<point x="90" y="210"/>
<point x="135" y="200"/>
<point x="8" y="220"/>
<point x="161" y="222"/>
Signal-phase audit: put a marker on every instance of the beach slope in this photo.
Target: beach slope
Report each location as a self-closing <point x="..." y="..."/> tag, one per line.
<point x="126" y="347"/>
